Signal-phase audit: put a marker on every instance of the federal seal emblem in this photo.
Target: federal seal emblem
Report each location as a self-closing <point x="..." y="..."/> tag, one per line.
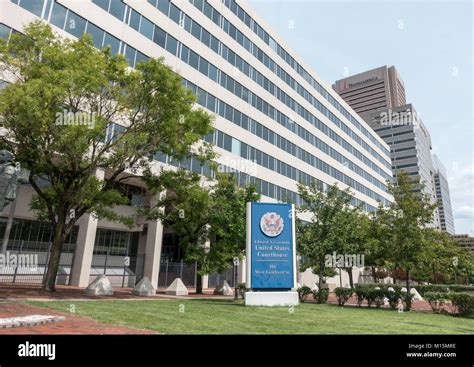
<point x="271" y="224"/>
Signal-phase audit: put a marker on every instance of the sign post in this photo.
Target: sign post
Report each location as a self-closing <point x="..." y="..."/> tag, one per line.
<point x="271" y="255"/>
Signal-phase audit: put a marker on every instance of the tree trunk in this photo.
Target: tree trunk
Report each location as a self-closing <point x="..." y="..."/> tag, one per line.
<point x="351" y="279"/>
<point x="49" y="281"/>
<point x="198" y="281"/>
<point x="408" y="281"/>
<point x="374" y="274"/>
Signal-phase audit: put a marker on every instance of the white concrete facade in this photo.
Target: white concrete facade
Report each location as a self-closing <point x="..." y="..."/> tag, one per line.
<point x="373" y="155"/>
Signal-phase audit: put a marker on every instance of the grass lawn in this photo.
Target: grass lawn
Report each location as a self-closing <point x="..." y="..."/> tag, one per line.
<point x="212" y="316"/>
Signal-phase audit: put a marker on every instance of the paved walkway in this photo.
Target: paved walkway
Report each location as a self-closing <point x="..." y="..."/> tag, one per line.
<point x="71" y="325"/>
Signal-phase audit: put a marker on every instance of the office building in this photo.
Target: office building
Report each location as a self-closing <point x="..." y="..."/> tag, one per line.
<point x="445" y="212"/>
<point x="273" y="114"/>
<point x="373" y="89"/>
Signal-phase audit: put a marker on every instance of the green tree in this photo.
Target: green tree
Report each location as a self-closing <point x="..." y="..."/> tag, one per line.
<point x="56" y="78"/>
<point x="405" y="220"/>
<point x="326" y="231"/>
<point x="208" y="216"/>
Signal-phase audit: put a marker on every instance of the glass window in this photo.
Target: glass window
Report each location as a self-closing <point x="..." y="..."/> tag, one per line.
<point x="163" y="6"/>
<point x="130" y="55"/>
<point x="196" y="30"/>
<point x="112" y="42"/>
<point x="235" y="147"/>
<point x="205" y="37"/>
<point x="58" y="15"/>
<point x="215" y="44"/>
<point x="75" y="24"/>
<point x="174" y="13"/>
<point x="134" y="20"/>
<point x="117" y="9"/>
<point x="146" y="28"/>
<point x="207" y="10"/>
<point x="171" y="44"/>
<point x="141" y="57"/>
<point x="216" y="16"/>
<point x="211" y="102"/>
<point x="159" y="37"/>
<point x="184" y="53"/>
<point x="213" y="72"/>
<point x="187" y="24"/>
<point x="227" y="142"/>
<point x="33" y="6"/>
<point x="193" y="59"/>
<point x="203" y="66"/>
<point x="4" y="31"/>
<point x="104" y="4"/>
<point x="96" y="33"/>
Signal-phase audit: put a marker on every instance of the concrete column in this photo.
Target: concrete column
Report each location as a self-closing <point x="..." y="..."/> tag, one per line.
<point x="205" y="281"/>
<point x="82" y="261"/>
<point x="153" y="246"/>
<point x="241" y="271"/>
<point x="84" y="250"/>
<point x="154" y="241"/>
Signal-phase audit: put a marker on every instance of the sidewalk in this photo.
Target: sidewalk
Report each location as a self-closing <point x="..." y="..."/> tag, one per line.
<point x="71" y="325"/>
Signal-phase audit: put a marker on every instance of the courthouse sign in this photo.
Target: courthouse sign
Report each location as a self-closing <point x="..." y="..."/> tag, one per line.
<point x="271" y="260"/>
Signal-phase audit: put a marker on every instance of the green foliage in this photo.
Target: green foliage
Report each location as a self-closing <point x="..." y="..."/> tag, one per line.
<point x="343" y="295"/>
<point x="404" y="222"/>
<point x="436" y="300"/>
<point x="361" y="291"/>
<point x="443" y="288"/>
<point x="208" y="218"/>
<point x="242" y="289"/>
<point x="55" y="78"/>
<point x="394" y="297"/>
<point x="407" y="299"/>
<point x="321" y="295"/>
<point x="375" y="296"/>
<point x="463" y="302"/>
<point x="303" y="293"/>
<point x="333" y="227"/>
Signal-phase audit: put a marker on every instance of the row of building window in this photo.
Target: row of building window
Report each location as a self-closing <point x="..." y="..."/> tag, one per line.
<point x="228" y="112"/>
<point x="201" y="64"/>
<point x="61" y="17"/>
<point x="244" y="67"/>
<point x="249" y="21"/>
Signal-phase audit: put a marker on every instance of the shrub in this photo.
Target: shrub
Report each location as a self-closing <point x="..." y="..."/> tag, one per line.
<point x="303" y="293"/>
<point x="445" y="288"/>
<point x="375" y="296"/>
<point x="407" y="299"/>
<point x="436" y="300"/>
<point x="463" y="302"/>
<point x="393" y="297"/>
<point x="321" y="296"/>
<point x="343" y="294"/>
<point x="361" y="291"/>
<point x="242" y="289"/>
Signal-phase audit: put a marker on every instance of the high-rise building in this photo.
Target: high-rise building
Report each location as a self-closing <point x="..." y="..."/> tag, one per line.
<point x="274" y="115"/>
<point x="373" y="89"/>
<point x="445" y="212"/>
<point x="410" y="145"/>
<point x="465" y="241"/>
<point x="378" y="95"/>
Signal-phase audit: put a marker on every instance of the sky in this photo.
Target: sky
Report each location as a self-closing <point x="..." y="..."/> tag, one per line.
<point x="431" y="45"/>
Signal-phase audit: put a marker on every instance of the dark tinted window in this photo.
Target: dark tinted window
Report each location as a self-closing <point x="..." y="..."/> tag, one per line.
<point x="58" y="15"/>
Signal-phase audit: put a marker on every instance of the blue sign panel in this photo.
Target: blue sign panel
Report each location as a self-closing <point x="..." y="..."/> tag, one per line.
<point x="270" y="244"/>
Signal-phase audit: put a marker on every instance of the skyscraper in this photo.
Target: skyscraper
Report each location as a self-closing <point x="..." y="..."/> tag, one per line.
<point x="378" y="95"/>
<point x="373" y="89"/>
<point x="445" y="212"/>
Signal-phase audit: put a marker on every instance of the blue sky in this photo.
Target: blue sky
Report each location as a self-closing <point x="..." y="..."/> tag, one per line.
<point x="431" y="45"/>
